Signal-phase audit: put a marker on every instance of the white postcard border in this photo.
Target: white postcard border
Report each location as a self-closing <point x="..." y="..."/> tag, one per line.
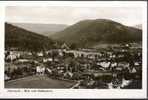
<point x="74" y="93"/>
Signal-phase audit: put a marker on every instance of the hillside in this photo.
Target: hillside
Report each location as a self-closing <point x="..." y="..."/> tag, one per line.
<point x="25" y="40"/>
<point x="139" y="26"/>
<point x="43" y="29"/>
<point x="88" y="33"/>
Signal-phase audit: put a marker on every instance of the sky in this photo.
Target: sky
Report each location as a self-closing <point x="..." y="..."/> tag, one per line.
<point x="70" y="15"/>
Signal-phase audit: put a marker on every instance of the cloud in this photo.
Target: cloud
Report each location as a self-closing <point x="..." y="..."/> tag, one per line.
<point x="71" y="15"/>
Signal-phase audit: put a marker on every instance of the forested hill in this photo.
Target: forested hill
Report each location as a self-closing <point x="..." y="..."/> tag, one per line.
<point x="20" y="38"/>
<point x="87" y="33"/>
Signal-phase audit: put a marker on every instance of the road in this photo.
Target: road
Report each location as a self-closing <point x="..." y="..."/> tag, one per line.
<point x="38" y="82"/>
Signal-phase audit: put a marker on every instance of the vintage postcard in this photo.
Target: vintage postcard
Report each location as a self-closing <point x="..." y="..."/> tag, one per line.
<point x="68" y="49"/>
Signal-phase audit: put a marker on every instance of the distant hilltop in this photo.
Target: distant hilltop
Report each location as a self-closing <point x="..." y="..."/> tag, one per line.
<point x="139" y="26"/>
<point x="43" y="29"/>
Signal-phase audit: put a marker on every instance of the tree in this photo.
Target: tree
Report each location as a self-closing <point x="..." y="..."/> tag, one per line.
<point x="54" y="54"/>
<point x="73" y="46"/>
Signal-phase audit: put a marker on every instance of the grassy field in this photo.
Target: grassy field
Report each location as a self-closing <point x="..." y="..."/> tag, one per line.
<point x="38" y="82"/>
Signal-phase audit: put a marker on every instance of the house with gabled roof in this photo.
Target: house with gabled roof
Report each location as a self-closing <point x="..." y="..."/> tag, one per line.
<point x="65" y="46"/>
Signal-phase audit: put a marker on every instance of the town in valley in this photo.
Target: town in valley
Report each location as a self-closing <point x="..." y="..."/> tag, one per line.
<point x="112" y="67"/>
<point x="68" y="47"/>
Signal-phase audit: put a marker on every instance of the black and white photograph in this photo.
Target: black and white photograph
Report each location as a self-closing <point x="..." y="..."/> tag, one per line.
<point x="74" y="47"/>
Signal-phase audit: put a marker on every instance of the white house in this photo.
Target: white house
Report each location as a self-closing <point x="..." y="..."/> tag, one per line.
<point x="6" y="77"/>
<point x="12" y="56"/>
<point x="47" y="59"/>
<point x="40" y="54"/>
<point x="40" y="70"/>
<point x="114" y="64"/>
<point x="105" y="64"/>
